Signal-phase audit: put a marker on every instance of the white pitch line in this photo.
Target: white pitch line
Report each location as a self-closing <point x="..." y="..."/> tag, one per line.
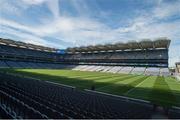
<point x="135" y="87"/>
<point x="60" y="84"/>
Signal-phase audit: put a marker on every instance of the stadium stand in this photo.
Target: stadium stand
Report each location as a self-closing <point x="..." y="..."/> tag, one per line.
<point x="115" y="69"/>
<point x="164" y="72"/>
<point x="138" y="70"/>
<point x="27" y="98"/>
<point x="132" y="57"/>
<point x="152" y="71"/>
<point x="126" y="70"/>
<point x="146" y="53"/>
<point x="99" y="68"/>
<point x="106" y="69"/>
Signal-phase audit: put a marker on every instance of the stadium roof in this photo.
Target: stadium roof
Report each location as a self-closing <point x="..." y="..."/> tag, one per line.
<point x="133" y="45"/>
<point x="19" y="44"/>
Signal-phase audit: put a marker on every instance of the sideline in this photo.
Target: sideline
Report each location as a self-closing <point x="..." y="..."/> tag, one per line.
<point x="60" y="84"/>
<point x="118" y="96"/>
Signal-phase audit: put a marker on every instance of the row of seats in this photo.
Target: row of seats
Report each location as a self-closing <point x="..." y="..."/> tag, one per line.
<point x="143" y="54"/>
<point x="125" y="70"/>
<point x="17" y="109"/>
<point x="4" y="49"/>
<point x="152" y="57"/>
<point x="128" y="57"/>
<point x="54" y="101"/>
<point x="19" y="64"/>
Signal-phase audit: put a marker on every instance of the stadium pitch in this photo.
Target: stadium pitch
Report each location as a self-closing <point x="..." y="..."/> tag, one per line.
<point x="164" y="91"/>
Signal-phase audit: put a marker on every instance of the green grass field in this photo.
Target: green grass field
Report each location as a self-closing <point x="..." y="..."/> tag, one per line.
<point x="161" y="90"/>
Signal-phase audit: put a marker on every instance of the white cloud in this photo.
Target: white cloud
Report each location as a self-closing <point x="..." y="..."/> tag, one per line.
<point x="8" y="7"/>
<point x="34" y="2"/>
<point x="166" y="10"/>
<point x="28" y="38"/>
<point x="174" y="54"/>
<point x="53" y="6"/>
<point x="84" y="30"/>
<point x="19" y="26"/>
<point x="81" y="7"/>
<point x="23" y="37"/>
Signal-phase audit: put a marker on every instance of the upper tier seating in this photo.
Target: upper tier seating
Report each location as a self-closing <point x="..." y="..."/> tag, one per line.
<point x="26" y="52"/>
<point x="151" y="54"/>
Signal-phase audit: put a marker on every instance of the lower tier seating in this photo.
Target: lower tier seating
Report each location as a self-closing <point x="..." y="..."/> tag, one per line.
<point x="124" y="69"/>
<point x="28" y="98"/>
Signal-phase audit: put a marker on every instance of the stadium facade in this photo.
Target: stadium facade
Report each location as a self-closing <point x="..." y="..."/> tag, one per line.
<point x="178" y="67"/>
<point x="144" y="57"/>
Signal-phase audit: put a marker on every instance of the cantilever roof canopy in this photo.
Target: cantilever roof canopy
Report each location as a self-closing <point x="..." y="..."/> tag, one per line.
<point x="133" y="45"/>
<point x="25" y="45"/>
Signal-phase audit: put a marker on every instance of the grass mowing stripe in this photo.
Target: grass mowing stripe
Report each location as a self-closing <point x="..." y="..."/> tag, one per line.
<point x="85" y="75"/>
<point x="59" y="73"/>
<point x="102" y="85"/>
<point x="121" y="87"/>
<point x="174" y="86"/>
<point x="58" y="79"/>
<point x="135" y="83"/>
<point x="113" y="79"/>
<point x="88" y="77"/>
<point x="91" y="72"/>
<point x="63" y="73"/>
<point x="82" y="76"/>
<point x="106" y="78"/>
<point x="143" y="90"/>
<point x="89" y="83"/>
<point x="96" y="77"/>
<point x="70" y="81"/>
<point x="31" y="73"/>
<point x="161" y="93"/>
<point x="63" y="80"/>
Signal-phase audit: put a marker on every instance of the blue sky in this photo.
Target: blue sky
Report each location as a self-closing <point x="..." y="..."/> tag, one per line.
<point x="70" y="23"/>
